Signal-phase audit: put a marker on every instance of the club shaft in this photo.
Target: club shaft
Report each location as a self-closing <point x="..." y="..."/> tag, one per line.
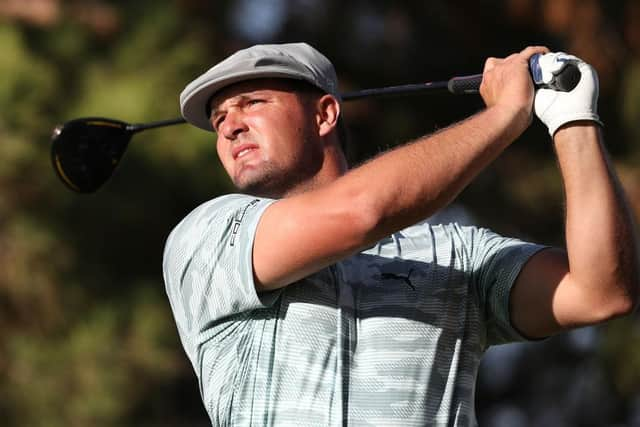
<point x="456" y="85"/>
<point x="161" y="123"/>
<point x="409" y="89"/>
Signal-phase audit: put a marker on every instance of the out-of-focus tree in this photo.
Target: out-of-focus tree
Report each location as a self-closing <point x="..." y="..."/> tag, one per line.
<point x="86" y="334"/>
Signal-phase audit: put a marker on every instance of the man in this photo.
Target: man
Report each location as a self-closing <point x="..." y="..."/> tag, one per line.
<point x="319" y="296"/>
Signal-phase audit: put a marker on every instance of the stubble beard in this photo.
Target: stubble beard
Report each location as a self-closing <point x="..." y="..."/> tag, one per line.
<point x="268" y="182"/>
<point x="276" y="181"/>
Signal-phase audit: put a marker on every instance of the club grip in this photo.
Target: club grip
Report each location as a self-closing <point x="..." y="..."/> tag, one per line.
<point x="565" y="81"/>
<point x="568" y="78"/>
<point x="465" y="85"/>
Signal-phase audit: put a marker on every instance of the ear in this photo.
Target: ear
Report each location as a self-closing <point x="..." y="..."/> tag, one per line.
<point x="327" y="113"/>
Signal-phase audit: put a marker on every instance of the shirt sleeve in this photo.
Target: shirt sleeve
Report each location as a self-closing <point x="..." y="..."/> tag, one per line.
<point x="208" y="265"/>
<point x="496" y="263"/>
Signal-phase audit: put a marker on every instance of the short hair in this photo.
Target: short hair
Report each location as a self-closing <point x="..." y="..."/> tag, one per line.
<point x="301" y="86"/>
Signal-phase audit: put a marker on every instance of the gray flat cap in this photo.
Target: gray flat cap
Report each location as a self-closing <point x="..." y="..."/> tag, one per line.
<point x="293" y="60"/>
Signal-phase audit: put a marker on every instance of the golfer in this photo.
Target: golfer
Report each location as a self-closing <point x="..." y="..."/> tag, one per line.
<point x="319" y="296"/>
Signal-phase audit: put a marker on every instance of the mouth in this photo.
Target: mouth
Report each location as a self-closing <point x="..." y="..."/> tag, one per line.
<point x="242" y="150"/>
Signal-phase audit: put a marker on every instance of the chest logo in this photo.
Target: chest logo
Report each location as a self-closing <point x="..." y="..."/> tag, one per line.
<point x="405" y="279"/>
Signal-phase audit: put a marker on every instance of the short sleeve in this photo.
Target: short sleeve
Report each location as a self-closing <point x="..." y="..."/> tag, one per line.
<point x="208" y="266"/>
<point x="496" y="263"/>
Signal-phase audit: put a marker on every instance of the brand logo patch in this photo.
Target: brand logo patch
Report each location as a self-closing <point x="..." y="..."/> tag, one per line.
<point x="237" y="220"/>
<point x="401" y="278"/>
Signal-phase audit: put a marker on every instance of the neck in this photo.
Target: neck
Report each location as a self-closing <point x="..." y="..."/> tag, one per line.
<point x="334" y="165"/>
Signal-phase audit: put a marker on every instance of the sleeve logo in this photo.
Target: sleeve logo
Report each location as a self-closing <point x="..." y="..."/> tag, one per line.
<point x="237" y="220"/>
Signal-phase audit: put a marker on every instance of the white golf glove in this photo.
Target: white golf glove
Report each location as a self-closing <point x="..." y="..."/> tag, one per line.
<point x="556" y="108"/>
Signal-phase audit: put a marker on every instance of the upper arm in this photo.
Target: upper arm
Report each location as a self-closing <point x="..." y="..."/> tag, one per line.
<point x="547" y="298"/>
<point x="302" y="234"/>
<point x="541" y="295"/>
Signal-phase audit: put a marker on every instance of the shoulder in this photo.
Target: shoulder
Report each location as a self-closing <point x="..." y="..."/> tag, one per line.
<point x="473" y="235"/>
<point x="219" y="218"/>
<point x="223" y="208"/>
<point x="476" y="245"/>
<point x="219" y="207"/>
<point x="452" y="233"/>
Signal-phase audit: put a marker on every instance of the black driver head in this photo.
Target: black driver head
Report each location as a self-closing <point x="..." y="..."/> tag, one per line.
<point x="86" y="151"/>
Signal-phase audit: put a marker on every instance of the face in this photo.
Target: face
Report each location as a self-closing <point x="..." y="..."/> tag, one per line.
<point x="266" y="137"/>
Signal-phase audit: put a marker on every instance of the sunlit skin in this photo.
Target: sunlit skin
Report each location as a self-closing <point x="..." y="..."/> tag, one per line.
<point x="268" y="136"/>
<point x="269" y="139"/>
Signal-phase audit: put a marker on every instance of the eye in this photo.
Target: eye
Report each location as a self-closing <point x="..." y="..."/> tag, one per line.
<point x="255" y="101"/>
<point x="217" y="121"/>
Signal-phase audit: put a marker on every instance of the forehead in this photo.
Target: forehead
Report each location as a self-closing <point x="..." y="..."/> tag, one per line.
<point x="251" y="86"/>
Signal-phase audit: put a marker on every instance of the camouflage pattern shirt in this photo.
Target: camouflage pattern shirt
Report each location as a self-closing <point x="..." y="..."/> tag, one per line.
<point x="391" y="336"/>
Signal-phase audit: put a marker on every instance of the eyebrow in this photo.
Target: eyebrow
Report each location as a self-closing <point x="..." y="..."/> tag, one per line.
<point x="211" y="111"/>
<point x="241" y="97"/>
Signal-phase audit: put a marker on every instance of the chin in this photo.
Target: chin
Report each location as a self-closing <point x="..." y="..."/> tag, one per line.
<point x="267" y="188"/>
<point x="272" y="182"/>
<point x="257" y="187"/>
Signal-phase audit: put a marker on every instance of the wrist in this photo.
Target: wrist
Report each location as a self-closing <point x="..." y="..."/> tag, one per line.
<point x="573" y="121"/>
<point x="579" y="130"/>
<point x="514" y="119"/>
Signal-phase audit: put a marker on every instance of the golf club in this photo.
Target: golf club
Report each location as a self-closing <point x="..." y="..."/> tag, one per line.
<point x="86" y="151"/>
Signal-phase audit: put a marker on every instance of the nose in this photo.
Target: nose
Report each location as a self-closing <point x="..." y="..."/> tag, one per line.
<point x="233" y="124"/>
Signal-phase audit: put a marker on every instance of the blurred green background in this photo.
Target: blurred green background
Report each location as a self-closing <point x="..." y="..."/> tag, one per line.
<point x="86" y="334"/>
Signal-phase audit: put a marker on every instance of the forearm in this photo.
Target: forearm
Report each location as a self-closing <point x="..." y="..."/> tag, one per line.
<point x="386" y="194"/>
<point x="413" y="182"/>
<point x="396" y="189"/>
<point x="601" y="240"/>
